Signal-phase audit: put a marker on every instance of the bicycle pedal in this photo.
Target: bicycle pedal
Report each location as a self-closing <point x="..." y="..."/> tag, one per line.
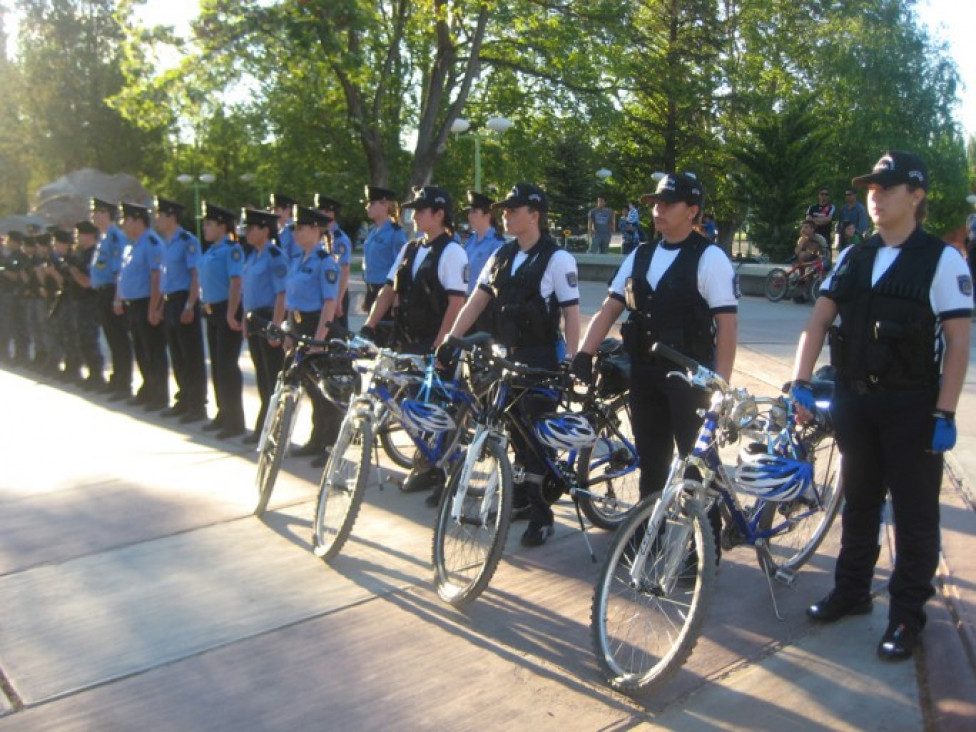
<point x="785" y="576"/>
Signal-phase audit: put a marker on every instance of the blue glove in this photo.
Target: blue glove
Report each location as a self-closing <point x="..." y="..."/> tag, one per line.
<point x="801" y="392"/>
<point x="944" y="433"/>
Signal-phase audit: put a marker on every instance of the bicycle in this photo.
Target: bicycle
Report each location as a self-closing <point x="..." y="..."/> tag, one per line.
<point x="475" y="510"/>
<point x="659" y="572"/>
<point x="328" y="372"/>
<point x="435" y="429"/>
<point x="802" y="281"/>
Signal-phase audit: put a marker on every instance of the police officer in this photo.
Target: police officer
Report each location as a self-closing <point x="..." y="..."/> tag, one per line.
<point x="263" y="292"/>
<point x="427" y="279"/>
<point x="530" y="282"/>
<point x="383" y="243"/>
<point x="340" y="246"/>
<point x="284" y="205"/>
<point x="139" y="297"/>
<point x="901" y="352"/>
<point x="49" y="322"/>
<point x="221" y="267"/>
<point x="180" y="285"/>
<point x="86" y="317"/>
<point x="34" y="305"/>
<point x="483" y="241"/>
<point x="311" y="293"/>
<point x="14" y="310"/>
<point x="63" y="311"/>
<point x="104" y="274"/>
<point x="680" y="291"/>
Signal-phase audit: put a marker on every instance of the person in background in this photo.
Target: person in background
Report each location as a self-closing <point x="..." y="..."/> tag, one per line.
<point x="340" y="247"/>
<point x="283" y="205"/>
<point x="709" y="228"/>
<point x="601" y="221"/>
<point x="822" y="214"/>
<point x="852" y="212"/>
<point x="104" y="274"/>
<point x="383" y="242"/>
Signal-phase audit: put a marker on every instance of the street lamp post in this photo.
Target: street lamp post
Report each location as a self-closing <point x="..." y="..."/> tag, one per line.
<point x="196" y="184"/>
<point x="495" y="124"/>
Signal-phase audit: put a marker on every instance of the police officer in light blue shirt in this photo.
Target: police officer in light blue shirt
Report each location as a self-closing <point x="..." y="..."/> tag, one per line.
<point x="484" y="239"/>
<point x="340" y="245"/>
<point x="138" y="296"/>
<point x="283" y="205"/>
<point x="220" y="292"/>
<point x="104" y="273"/>
<point x="383" y="243"/>
<point x="311" y="292"/>
<point x="180" y="284"/>
<point x="263" y="286"/>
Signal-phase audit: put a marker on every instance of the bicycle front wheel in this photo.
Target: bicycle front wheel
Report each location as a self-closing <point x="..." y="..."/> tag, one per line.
<point x="273" y="451"/>
<point x="798" y="527"/>
<point x="608" y="503"/>
<point x="472" y="523"/>
<point x="776" y="284"/>
<point x="650" y="598"/>
<point x="342" y="487"/>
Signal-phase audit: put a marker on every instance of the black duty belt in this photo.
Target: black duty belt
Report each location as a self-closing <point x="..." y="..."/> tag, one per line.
<point x="214" y="307"/>
<point x="176" y="294"/>
<point x="300" y="316"/>
<point x="136" y="301"/>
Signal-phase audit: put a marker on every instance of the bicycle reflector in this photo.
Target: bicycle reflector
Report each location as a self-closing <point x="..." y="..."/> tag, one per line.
<point x="772" y="477"/>
<point x="565" y="432"/>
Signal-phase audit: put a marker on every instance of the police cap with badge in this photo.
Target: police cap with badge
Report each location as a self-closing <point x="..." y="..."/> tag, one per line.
<point x="305" y="216"/>
<point x="87" y="227"/>
<point x="525" y="194"/>
<point x="478" y="201"/>
<point x="257" y="217"/>
<point x="168" y="206"/>
<point x="376" y="193"/>
<point x="282" y="200"/>
<point x="677" y="188"/>
<point x="213" y="212"/>
<point x="15" y="235"/>
<point x="63" y="237"/>
<point x="135" y="211"/>
<point x="324" y="203"/>
<point x="433" y="197"/>
<point x="100" y="204"/>
<point x="896" y="167"/>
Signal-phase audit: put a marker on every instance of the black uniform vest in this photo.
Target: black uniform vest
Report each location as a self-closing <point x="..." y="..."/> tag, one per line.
<point x="522" y="317"/>
<point x="887" y="336"/>
<point x="423" y="299"/>
<point x="675" y="313"/>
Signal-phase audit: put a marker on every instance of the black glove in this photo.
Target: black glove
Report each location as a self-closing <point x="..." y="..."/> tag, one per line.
<point x="444" y="355"/>
<point x="367" y="332"/>
<point x="582" y="367"/>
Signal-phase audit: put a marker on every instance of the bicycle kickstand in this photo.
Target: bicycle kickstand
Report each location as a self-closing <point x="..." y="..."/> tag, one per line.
<point x="765" y="564"/>
<point x="586" y="538"/>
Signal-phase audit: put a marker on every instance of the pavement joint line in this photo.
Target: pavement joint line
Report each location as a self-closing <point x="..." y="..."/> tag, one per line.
<point x="16" y="702"/>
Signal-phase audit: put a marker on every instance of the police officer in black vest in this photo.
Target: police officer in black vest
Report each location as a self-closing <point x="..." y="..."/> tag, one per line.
<point x="428" y="281"/>
<point x="530" y="282"/>
<point x="901" y="352"/>
<point x="680" y="291"/>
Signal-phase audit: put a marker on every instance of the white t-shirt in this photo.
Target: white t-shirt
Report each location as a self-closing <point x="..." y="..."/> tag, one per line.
<point x="452" y="269"/>
<point x="716" y="278"/>
<point x="952" y="285"/>
<point x="560" y="276"/>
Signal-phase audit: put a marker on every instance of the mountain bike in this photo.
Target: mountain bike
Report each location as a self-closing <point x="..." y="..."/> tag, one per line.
<point x="584" y="451"/>
<point x="659" y="572"/>
<point x="802" y="281"/>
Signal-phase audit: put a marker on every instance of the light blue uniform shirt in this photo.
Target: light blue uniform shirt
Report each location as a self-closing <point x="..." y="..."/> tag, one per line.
<point x="380" y="251"/>
<point x="139" y="260"/>
<point x="311" y="281"/>
<point x="341" y="246"/>
<point x="108" y="257"/>
<point x="287" y="243"/>
<point x="479" y="250"/>
<point x="265" y="273"/>
<point x="181" y="255"/>
<point x="218" y="264"/>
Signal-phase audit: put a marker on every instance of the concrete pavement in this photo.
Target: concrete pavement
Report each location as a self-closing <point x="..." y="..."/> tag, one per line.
<point x="135" y="590"/>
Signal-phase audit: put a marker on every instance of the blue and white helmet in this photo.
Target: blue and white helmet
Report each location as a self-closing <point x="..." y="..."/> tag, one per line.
<point x="773" y="477"/>
<point x="426" y="417"/>
<point x="565" y="432"/>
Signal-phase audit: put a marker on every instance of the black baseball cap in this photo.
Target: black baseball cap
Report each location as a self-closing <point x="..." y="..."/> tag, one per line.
<point x="896" y="167"/>
<point x="258" y="217"/>
<point x="677" y="188"/>
<point x="479" y="201"/>
<point x="429" y="197"/>
<point x="377" y="193"/>
<point x="305" y="216"/>
<point x="525" y="194"/>
<point x="168" y="206"/>
<point x="221" y="215"/>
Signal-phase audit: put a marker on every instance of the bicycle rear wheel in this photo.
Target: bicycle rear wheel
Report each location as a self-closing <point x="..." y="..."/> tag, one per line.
<point x="607" y="504"/>
<point x="342" y="487"/>
<point x="776" y="284"/>
<point x="803" y="523"/>
<point x="644" y="628"/>
<point x="472" y="523"/>
<point x="275" y="444"/>
<point x="396" y="442"/>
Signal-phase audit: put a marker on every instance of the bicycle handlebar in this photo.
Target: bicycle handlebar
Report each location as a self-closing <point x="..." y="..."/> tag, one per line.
<point x="700" y="375"/>
<point x="481" y="340"/>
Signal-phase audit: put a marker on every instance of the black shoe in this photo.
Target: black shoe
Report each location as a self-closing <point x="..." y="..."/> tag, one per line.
<point x="193" y="415"/>
<point x="322" y="460"/>
<point x="309" y="449"/>
<point x="522" y="513"/>
<point x="118" y="395"/>
<point x="94" y="383"/>
<point x="834" y="607"/>
<point x="136" y="401"/>
<point x="422" y="481"/>
<point x="175" y="411"/>
<point x="154" y="405"/>
<point x="537" y="534"/>
<point x="228" y="433"/>
<point x="898" y="643"/>
<point x="212" y="426"/>
<point x="252" y="438"/>
<point x="434" y="499"/>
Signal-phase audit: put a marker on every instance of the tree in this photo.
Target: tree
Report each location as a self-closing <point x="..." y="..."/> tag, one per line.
<point x="13" y="157"/>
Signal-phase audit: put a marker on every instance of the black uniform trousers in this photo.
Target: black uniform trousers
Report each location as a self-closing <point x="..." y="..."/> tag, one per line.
<point x="116" y="332"/>
<point x="185" y="343"/>
<point x="85" y="325"/>
<point x="149" y="347"/>
<point x="371" y="292"/>
<point x="343" y="320"/>
<point x="531" y="407"/>
<point x="267" y="360"/>
<point x="225" y="371"/>
<point x="15" y="328"/>
<point x="326" y="417"/>
<point x="883" y="437"/>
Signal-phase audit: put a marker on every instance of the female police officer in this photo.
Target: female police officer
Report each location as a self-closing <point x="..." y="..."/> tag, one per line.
<point x="383" y="242"/>
<point x="311" y="293"/>
<point x="529" y="282"/>
<point x="901" y="351"/>
<point x="220" y="292"/>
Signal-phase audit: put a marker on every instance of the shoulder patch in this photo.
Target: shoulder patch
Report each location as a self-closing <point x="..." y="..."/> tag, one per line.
<point x="467" y="273"/>
<point x="331" y="276"/>
<point x="191" y="248"/>
<point x="571" y="279"/>
<point x="340" y="248"/>
<point x="235" y="254"/>
<point x="280" y="269"/>
<point x="966" y="285"/>
<point x="735" y="286"/>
